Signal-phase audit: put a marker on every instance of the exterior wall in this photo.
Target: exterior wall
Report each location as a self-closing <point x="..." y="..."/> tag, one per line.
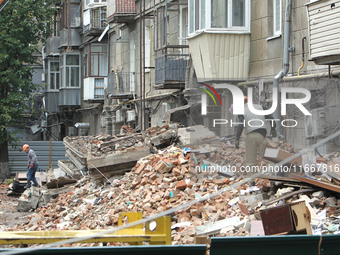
<point x="267" y="51"/>
<point x="265" y="56"/>
<point x="121" y="38"/>
<point x="324" y="96"/>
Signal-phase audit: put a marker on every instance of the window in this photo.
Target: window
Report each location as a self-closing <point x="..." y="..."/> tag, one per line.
<point x="88" y="2"/>
<point x="53" y="75"/>
<point x="233" y="15"/>
<point x="98" y="60"/>
<point x="98" y="17"/>
<point x="99" y="88"/>
<point x="70" y="70"/>
<point x="147" y="60"/>
<point x="277" y="19"/>
<point x="183" y="25"/>
<point x="69" y="14"/>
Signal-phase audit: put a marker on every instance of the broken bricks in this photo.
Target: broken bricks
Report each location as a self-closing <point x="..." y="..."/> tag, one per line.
<point x="160" y="182"/>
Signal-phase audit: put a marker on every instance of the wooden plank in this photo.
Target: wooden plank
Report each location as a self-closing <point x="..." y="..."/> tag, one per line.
<point x="289" y="195"/>
<point x="278" y="178"/>
<point x="317" y="183"/>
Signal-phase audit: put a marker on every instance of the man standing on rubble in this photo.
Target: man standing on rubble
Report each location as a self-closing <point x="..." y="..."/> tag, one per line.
<point x="255" y="136"/>
<point x="31" y="167"/>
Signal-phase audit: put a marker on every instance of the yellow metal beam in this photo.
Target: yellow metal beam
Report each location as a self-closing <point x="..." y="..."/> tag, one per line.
<point x="155" y="233"/>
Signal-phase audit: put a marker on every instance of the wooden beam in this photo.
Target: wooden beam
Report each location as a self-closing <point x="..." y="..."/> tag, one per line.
<point x="317" y="183"/>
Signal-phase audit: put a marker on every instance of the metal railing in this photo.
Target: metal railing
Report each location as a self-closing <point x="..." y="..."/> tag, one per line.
<point x="120" y="7"/>
<point x="122" y="83"/>
<point x="171" y="63"/>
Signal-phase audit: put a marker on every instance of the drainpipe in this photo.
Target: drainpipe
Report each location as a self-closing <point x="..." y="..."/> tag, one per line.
<point x="285" y="69"/>
<point x="303" y="56"/>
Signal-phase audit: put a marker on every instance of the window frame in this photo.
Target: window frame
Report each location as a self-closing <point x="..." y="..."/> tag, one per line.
<point x="57" y="73"/>
<point x="64" y="67"/>
<point x="98" y="54"/>
<point x="192" y="6"/>
<point x="277" y="30"/>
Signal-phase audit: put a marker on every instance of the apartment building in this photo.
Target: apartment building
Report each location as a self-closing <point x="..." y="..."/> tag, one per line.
<point x="139" y="63"/>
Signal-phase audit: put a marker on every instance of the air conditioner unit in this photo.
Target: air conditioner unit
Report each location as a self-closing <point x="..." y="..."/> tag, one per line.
<point x="315" y="123"/>
<point x="120" y="116"/>
<point x="131" y="115"/>
<point x="77" y="22"/>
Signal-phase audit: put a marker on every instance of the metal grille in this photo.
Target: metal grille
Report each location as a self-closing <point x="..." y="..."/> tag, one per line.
<point x="18" y="158"/>
<point x="125" y="6"/>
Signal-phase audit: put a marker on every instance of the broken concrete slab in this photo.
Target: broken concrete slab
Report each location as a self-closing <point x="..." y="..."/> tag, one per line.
<point x="35" y="197"/>
<point x="24" y="205"/>
<point x="278" y="155"/>
<point x="119" y="161"/>
<point x="195" y="134"/>
<point x="69" y="168"/>
<point x="60" y="182"/>
<point x="215" y="227"/>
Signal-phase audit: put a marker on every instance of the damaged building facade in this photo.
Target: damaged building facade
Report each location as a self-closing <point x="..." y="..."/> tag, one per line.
<point x="139" y="63"/>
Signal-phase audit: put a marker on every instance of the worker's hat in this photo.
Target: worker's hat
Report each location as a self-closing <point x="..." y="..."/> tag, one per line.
<point x="25" y="146"/>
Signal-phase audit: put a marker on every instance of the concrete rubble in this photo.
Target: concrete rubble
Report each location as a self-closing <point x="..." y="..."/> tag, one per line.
<point x="171" y="177"/>
<point x="113" y="154"/>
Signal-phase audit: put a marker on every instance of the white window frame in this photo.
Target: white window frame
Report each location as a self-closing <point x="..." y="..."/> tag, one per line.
<point x="63" y="68"/>
<point x="183" y="25"/>
<point x="277" y="30"/>
<point x="207" y="17"/>
<point x="55" y="72"/>
<point x="88" y="3"/>
<point x="147" y="60"/>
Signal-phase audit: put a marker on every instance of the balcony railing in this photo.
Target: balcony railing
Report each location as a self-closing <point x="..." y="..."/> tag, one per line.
<point x="170" y="66"/>
<point x="121" y="10"/>
<point x="122" y="85"/>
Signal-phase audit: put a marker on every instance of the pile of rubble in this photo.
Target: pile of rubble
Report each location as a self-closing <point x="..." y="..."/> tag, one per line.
<point x="114" y="154"/>
<point x="175" y="176"/>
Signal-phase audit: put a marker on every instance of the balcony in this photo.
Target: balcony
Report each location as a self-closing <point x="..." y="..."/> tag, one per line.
<point x="121" y="11"/>
<point x="170" y="66"/>
<point x="51" y="101"/>
<point x="69" y="97"/>
<point x="94" y="89"/>
<point x="52" y="45"/>
<point x="94" y="21"/>
<point x="225" y="59"/>
<point x="122" y="85"/>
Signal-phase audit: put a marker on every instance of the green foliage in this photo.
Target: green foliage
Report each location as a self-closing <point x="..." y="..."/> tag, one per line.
<point x="23" y="25"/>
